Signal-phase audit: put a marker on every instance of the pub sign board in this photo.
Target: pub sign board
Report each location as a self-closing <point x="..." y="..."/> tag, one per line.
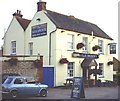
<point x="78" y="88"/>
<point x="83" y="55"/>
<point x="39" y="30"/>
<point x="112" y="48"/>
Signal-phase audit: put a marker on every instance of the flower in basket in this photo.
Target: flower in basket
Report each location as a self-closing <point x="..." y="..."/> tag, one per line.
<point x="96" y="47"/>
<point x="80" y="45"/>
<point x="110" y="63"/>
<point x="63" y="61"/>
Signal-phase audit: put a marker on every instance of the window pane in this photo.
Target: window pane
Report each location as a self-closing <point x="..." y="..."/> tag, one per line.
<point x="85" y="41"/>
<point x="13" y="47"/>
<point x="31" y="48"/>
<point x="70" y="69"/>
<point x="112" y="49"/>
<point x="70" y="41"/>
<point x="101" y="67"/>
<point x="8" y="81"/>
<point x="100" y="43"/>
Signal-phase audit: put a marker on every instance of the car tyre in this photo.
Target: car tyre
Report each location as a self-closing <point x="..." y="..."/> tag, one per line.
<point x="14" y="94"/>
<point x="43" y="93"/>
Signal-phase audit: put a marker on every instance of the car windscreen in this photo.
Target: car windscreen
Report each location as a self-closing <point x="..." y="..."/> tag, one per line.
<point x="8" y="80"/>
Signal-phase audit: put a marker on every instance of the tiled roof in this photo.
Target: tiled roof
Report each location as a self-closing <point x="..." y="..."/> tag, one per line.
<point x="69" y="23"/>
<point x="74" y="24"/>
<point x="116" y="64"/>
<point x="88" y="62"/>
<point x="23" y="22"/>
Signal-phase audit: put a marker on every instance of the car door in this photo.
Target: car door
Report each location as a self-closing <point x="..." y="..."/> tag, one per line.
<point x="20" y="86"/>
<point x="32" y="87"/>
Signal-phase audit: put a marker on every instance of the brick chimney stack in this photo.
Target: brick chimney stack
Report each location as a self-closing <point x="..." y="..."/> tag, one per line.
<point x="18" y="14"/>
<point x="41" y="6"/>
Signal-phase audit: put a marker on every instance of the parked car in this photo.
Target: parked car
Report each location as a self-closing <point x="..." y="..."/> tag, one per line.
<point x="5" y="75"/>
<point x="15" y="86"/>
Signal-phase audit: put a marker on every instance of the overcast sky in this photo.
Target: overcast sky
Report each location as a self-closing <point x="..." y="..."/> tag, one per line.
<point x="103" y="13"/>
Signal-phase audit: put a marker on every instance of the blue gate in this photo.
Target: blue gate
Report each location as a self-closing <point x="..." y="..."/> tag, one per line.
<point x="48" y="76"/>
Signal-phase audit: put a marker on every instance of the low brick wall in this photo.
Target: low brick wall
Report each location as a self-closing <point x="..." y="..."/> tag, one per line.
<point x="22" y="68"/>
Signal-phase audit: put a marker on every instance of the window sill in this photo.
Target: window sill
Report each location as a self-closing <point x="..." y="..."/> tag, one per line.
<point x="13" y="53"/>
<point x="85" y="51"/>
<point x="101" y="77"/>
<point x="101" y="53"/>
<point x="70" y="49"/>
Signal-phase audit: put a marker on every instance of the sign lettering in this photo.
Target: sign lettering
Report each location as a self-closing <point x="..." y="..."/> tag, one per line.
<point x="77" y="89"/>
<point x="83" y="55"/>
<point x="39" y="30"/>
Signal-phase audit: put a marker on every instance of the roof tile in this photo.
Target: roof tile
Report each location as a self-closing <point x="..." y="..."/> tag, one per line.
<point x="23" y="22"/>
<point x="77" y="25"/>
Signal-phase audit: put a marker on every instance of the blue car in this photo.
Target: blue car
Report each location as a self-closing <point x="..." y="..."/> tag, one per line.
<point x="15" y="86"/>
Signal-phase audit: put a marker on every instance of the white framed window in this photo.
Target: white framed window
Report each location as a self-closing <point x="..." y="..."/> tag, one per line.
<point x="13" y="47"/>
<point x="70" y="41"/>
<point x="70" y="69"/>
<point x="100" y="43"/>
<point x="85" y="41"/>
<point x="31" y="48"/>
<point x="101" y="67"/>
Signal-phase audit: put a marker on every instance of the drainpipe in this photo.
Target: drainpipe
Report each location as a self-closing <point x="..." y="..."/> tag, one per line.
<point x="24" y="44"/>
<point x="50" y="45"/>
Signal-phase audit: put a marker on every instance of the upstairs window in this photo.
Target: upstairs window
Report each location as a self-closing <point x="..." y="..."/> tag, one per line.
<point x="85" y="42"/>
<point x="13" y="47"/>
<point x="31" y="48"/>
<point x="70" y="42"/>
<point x="100" y="43"/>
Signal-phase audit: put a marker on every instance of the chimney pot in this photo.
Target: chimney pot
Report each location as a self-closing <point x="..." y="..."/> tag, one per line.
<point x="41" y="6"/>
<point x="18" y="14"/>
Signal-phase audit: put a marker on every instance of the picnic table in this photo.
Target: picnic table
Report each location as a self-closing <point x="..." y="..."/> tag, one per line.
<point x="68" y="82"/>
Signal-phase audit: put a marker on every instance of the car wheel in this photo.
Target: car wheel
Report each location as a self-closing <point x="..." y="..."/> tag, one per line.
<point x="14" y="94"/>
<point x="43" y="93"/>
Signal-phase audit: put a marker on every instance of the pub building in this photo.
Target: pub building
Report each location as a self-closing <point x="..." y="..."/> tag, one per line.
<point x="74" y="47"/>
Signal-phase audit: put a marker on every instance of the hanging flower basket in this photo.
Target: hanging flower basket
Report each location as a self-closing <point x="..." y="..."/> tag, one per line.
<point x="96" y="47"/>
<point x="13" y="61"/>
<point x="80" y="45"/>
<point x="63" y="61"/>
<point x="110" y="63"/>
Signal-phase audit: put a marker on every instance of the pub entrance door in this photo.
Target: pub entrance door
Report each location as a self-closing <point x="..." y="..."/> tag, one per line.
<point x="86" y="66"/>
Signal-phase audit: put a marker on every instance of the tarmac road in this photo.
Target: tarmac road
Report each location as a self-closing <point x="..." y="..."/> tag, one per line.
<point x="90" y="93"/>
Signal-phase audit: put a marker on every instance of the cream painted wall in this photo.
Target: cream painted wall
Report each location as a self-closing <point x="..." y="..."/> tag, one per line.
<point x="14" y="33"/>
<point x="62" y="52"/>
<point x="58" y="47"/>
<point x="40" y="44"/>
